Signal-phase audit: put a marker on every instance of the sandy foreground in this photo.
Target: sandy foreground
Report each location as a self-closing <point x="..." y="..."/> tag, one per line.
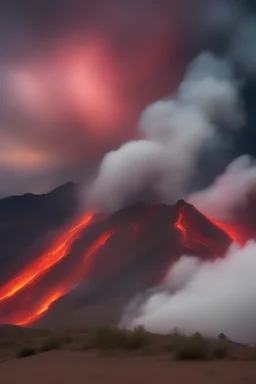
<point x="64" y="367"/>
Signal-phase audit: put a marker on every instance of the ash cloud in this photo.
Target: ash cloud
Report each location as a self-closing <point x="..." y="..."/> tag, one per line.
<point x="196" y="132"/>
<point x="230" y="193"/>
<point x="207" y="297"/>
<point x="176" y="131"/>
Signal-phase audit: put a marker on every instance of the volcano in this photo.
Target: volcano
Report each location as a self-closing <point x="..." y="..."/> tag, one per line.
<point x="57" y="265"/>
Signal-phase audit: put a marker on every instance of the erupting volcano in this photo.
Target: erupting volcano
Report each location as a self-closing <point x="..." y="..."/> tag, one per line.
<point x="115" y="256"/>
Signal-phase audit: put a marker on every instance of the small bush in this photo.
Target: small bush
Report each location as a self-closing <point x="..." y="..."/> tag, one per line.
<point x="222" y="336"/>
<point x="106" y="338"/>
<point x="55" y="341"/>
<point x="123" y="338"/>
<point x="52" y="342"/>
<point x="175" y="340"/>
<point x="114" y="338"/>
<point x="25" y="352"/>
<point x="139" y="338"/>
<point x="192" y="348"/>
<point x="220" y="350"/>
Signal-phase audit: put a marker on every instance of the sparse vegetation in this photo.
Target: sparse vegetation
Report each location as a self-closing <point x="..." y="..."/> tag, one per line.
<point x="114" y="338"/>
<point x="176" y="345"/>
<point x="139" y="338"/>
<point x="55" y="341"/>
<point x="106" y="338"/>
<point x="192" y="348"/>
<point x="26" y="351"/>
<point x="220" y="349"/>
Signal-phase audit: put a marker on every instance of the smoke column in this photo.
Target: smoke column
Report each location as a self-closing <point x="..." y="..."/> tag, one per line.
<point x="176" y="130"/>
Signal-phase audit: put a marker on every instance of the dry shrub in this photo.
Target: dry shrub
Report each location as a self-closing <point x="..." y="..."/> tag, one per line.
<point x="220" y="349"/>
<point x="55" y="341"/>
<point x="192" y="348"/>
<point x="139" y="338"/>
<point x="25" y="351"/>
<point x="114" y="338"/>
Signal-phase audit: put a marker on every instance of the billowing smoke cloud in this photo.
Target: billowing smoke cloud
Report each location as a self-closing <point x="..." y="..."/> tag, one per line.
<point x="206" y="297"/>
<point x="209" y="297"/>
<point x="176" y="132"/>
<point x="230" y="193"/>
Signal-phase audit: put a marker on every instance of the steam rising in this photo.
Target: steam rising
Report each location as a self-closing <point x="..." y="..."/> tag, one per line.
<point x="229" y="192"/>
<point x="176" y="132"/>
<point x="206" y="297"/>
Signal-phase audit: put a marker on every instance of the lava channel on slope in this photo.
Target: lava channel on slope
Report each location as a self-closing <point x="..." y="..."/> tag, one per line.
<point x="62" y="288"/>
<point x="152" y="245"/>
<point x="47" y="260"/>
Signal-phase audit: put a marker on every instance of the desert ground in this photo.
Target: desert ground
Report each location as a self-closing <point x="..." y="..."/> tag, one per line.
<point x="63" y="367"/>
<point x="118" y="356"/>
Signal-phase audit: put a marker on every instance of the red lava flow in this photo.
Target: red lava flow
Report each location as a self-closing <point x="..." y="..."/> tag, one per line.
<point x="61" y="248"/>
<point x="47" y="260"/>
<point x="66" y="286"/>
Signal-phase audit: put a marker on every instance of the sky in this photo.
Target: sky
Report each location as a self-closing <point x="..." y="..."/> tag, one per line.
<point x="75" y="77"/>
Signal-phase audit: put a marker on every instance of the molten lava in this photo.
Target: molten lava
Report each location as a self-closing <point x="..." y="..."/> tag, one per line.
<point x="42" y="308"/>
<point x="180" y="225"/>
<point x="235" y="232"/>
<point x="144" y="232"/>
<point x="197" y="232"/>
<point x="47" y="260"/>
<point x="65" y="286"/>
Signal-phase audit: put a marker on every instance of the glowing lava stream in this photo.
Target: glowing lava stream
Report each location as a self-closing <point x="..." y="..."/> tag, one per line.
<point x="180" y="226"/>
<point x="47" y="260"/>
<point x="72" y="280"/>
<point x="231" y="230"/>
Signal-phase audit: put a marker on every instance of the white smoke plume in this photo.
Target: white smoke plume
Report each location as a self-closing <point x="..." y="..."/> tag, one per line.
<point x="206" y="297"/>
<point x="229" y="192"/>
<point x="176" y="130"/>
